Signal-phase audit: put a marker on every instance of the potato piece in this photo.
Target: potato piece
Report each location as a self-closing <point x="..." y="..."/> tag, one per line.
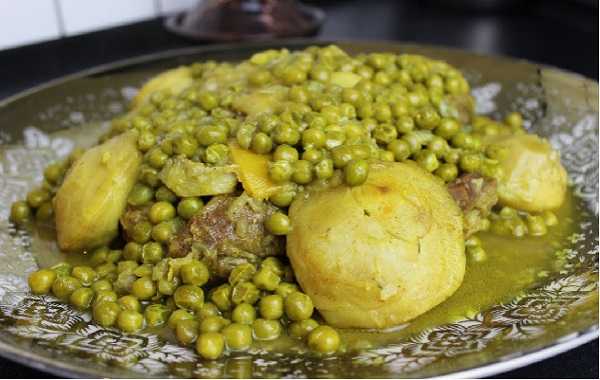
<point x="379" y="254"/>
<point x="94" y="193"/>
<point x="252" y="170"/>
<point x="174" y="80"/>
<point x="187" y="178"/>
<point x="533" y="178"/>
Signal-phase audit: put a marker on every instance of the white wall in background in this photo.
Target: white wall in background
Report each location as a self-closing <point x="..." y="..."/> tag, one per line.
<point x="85" y="16"/>
<point x="28" y="21"/>
<point x="171" y="6"/>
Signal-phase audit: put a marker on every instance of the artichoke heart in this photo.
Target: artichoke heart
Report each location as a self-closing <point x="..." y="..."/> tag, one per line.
<point x="187" y="178"/>
<point x="94" y="193"/>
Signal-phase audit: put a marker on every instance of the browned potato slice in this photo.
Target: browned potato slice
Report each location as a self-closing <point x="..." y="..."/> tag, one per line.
<point x="379" y="254"/>
<point x="94" y="193"/>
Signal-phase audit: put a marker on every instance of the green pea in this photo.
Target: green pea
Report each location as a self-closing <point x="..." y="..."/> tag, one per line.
<point x="20" y="212"/>
<point x="82" y="298"/>
<point x="152" y="252"/>
<point x="35" y="198"/>
<point x="186" y="331"/>
<point x="284" y="196"/>
<point x="356" y="172"/>
<point x="161" y="211"/>
<point x="400" y="149"/>
<point x="40" y="282"/>
<point x="143" y="288"/>
<point x="385" y="133"/>
<point x="177" y="316"/>
<point x="261" y="143"/>
<point x="271" y="306"/>
<point x="156" y="158"/>
<point x="427" y="118"/>
<point x="101" y="285"/>
<point x="280" y="171"/>
<point x="185" y="145"/>
<point x="156" y="315"/>
<point x="44" y="212"/>
<point x="298" y="306"/>
<point x="163" y="194"/>
<point x="146" y="140"/>
<point x="267" y="122"/>
<point x="209" y="309"/>
<point x="54" y="172"/>
<point x="189" y="297"/>
<point x="86" y="275"/>
<point x="63" y="286"/>
<point x="163" y="231"/>
<point x="194" y="273"/>
<point x="149" y="176"/>
<point x="141" y="232"/>
<point x="536" y="225"/>
<point x="447" y="172"/>
<point x="168" y="287"/>
<point x="129" y="302"/>
<point x="285" y="134"/>
<point x="212" y="134"/>
<point x="285" y="153"/>
<point x="313" y="137"/>
<point x="221" y="297"/>
<point x="243" y="313"/>
<point x="447" y="128"/>
<point x="278" y="224"/>
<point x="210" y="345"/>
<point x="324" y="169"/>
<point x="266" y="329"/>
<point x="382" y="112"/>
<point x="302" y="328"/>
<point x="213" y="323"/>
<point x="105" y="296"/>
<point x="244" y="292"/>
<point x="284" y="289"/>
<point x="237" y="336"/>
<point x="130" y="321"/>
<point x="514" y="119"/>
<point x="144" y="270"/>
<point x="427" y="160"/>
<point x="477" y="254"/>
<point x="470" y="162"/>
<point x="241" y="273"/>
<point x="140" y="195"/>
<point x="62" y="269"/>
<point x="208" y="100"/>
<point x="132" y="251"/>
<point x="324" y="339"/>
<point x="259" y="77"/>
<point x="106" y="313"/>
<point x="189" y="207"/>
<point x="302" y="172"/>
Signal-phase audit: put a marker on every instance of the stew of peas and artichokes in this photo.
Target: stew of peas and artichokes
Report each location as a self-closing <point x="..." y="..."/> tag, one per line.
<point x="294" y="193"/>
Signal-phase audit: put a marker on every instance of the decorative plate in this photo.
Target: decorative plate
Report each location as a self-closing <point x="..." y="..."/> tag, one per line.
<point x="555" y="315"/>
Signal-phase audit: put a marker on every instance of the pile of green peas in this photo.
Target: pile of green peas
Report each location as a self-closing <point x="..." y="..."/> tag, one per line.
<point x="511" y="222"/>
<point x="127" y="292"/>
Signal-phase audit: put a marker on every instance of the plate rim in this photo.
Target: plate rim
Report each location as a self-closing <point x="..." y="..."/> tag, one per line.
<point x="558" y="346"/>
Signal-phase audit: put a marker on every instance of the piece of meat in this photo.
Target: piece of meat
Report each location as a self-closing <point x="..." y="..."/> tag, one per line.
<point x="131" y="217"/>
<point x="475" y="195"/>
<point x="227" y="232"/>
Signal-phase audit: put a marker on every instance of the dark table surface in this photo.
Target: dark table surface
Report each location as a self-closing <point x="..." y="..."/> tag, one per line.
<point x="560" y="33"/>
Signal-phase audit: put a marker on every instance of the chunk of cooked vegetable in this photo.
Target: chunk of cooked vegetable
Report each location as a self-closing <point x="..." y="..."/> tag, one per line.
<point x="94" y="193"/>
<point x="187" y="178"/>
<point x="378" y="254"/>
<point x="533" y="178"/>
<point x="174" y="81"/>
<point x="253" y="172"/>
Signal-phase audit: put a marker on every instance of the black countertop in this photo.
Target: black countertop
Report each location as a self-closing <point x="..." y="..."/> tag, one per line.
<point x="560" y="33"/>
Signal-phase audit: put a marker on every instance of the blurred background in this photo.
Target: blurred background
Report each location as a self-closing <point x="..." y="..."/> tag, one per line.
<point x="44" y="39"/>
